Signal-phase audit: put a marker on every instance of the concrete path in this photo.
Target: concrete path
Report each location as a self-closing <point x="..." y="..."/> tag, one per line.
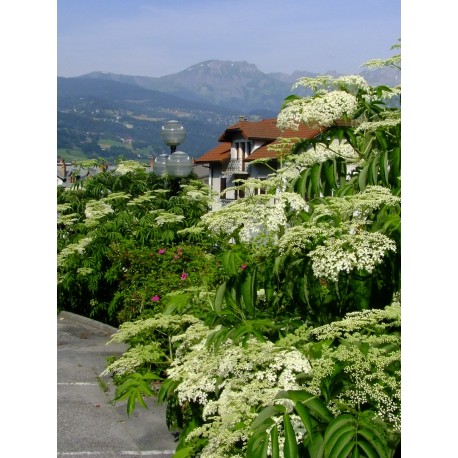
<point x="88" y="422"/>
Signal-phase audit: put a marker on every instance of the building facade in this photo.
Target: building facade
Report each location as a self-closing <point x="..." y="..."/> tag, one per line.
<point x="240" y="145"/>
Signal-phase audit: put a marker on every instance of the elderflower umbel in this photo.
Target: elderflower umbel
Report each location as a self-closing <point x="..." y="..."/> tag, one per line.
<point x="322" y="110"/>
<point x="128" y="166"/>
<point x="361" y="251"/>
<point x="96" y="209"/>
<point x="231" y="384"/>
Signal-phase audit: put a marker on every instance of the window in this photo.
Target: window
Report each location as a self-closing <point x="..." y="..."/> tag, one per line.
<point x="223" y="185"/>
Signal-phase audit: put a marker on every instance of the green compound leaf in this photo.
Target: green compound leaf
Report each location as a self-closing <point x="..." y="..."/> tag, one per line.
<point x="305" y="417"/>
<point x="275" y="446"/>
<point x="290" y="448"/>
<point x="344" y="444"/>
<point x="311" y="401"/>
<point x="342" y="428"/>
<point x="375" y="440"/>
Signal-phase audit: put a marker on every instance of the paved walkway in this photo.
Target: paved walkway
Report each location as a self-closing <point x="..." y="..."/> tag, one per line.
<point x="88" y="422"/>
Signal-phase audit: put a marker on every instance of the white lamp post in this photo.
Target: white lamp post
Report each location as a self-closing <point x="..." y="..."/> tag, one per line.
<point x="178" y="163"/>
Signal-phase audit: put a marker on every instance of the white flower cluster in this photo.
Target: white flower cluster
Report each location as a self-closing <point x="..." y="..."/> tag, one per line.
<point x="231" y="383"/>
<point x="246" y="215"/>
<point x="372" y="126"/>
<point x="141" y="199"/>
<point x="362" y="251"/>
<point x="72" y="248"/>
<point x="299" y="238"/>
<point x="356" y="206"/>
<point x="321" y="110"/>
<point x="325" y="83"/>
<point x="134" y="358"/>
<point x="352" y="212"/>
<point x="371" y="382"/>
<point x="67" y="220"/>
<point x="116" y="195"/>
<point x="62" y="208"/>
<point x="83" y="271"/>
<point x="193" y="193"/>
<point x="379" y="319"/>
<point x="282" y="146"/>
<point x="322" y="153"/>
<point x="167" y="323"/>
<point x="370" y="354"/>
<point x="292" y="201"/>
<point x="128" y="166"/>
<point x="394" y="61"/>
<point x="166" y="217"/>
<point x="255" y="215"/>
<point x="96" y="209"/>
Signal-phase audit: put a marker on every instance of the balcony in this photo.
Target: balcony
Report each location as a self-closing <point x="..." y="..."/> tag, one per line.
<point x="235" y="167"/>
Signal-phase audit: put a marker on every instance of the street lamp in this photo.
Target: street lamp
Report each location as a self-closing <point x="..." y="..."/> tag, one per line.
<point x="178" y="163"/>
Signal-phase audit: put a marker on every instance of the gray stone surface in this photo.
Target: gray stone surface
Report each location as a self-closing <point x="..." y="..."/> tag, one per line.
<point x="89" y="423"/>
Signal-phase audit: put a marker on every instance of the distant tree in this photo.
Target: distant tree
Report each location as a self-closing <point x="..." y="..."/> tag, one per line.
<point x="92" y="148"/>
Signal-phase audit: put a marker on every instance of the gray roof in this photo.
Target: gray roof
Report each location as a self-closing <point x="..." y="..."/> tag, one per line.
<point x="199" y="170"/>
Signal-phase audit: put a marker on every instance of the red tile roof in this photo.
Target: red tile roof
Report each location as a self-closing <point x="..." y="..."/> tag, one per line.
<point x="220" y="153"/>
<point x="262" y="153"/>
<point x="266" y="130"/>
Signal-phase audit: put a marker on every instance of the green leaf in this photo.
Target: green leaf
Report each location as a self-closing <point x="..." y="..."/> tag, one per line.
<point x="301" y="183"/>
<point x="337" y="423"/>
<point x="140" y="399"/>
<point x="345" y="442"/>
<point x="381" y="139"/>
<point x="256" y="445"/>
<point x="131" y="403"/>
<point x="305" y="417"/>
<point x="330" y="172"/>
<point x="373" y="175"/>
<point x="362" y="177"/>
<point x="384" y="168"/>
<point x="367" y="449"/>
<point x="395" y="163"/>
<point x="168" y="386"/>
<point x="355" y="453"/>
<point x="249" y="292"/>
<point x="311" y="401"/>
<point x="228" y="262"/>
<point x="364" y="347"/>
<point x="264" y="417"/>
<point x="373" y="437"/>
<point x="303" y="289"/>
<point x="183" y="453"/>
<point x="367" y="146"/>
<point x="316" y="446"/>
<point x="290" y="448"/>
<point x="275" y="446"/>
<point x="289" y="99"/>
<point x="219" y="297"/>
<point x="316" y="183"/>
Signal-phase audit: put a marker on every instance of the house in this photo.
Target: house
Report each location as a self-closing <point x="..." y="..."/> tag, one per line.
<point x="69" y="173"/>
<point x="242" y="143"/>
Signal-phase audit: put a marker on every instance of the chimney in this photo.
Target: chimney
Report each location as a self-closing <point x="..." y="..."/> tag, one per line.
<point x="242" y="118"/>
<point x="63" y="168"/>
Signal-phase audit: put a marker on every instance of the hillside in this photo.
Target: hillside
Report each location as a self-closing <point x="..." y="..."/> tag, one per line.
<point x="108" y="115"/>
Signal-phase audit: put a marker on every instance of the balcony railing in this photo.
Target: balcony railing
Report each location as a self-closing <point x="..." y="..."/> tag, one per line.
<point x="235" y="166"/>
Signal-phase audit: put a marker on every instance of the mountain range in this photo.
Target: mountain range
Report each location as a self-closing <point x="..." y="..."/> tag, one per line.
<point x="206" y="98"/>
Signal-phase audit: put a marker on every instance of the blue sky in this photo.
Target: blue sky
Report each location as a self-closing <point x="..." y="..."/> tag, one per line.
<point x="155" y="38"/>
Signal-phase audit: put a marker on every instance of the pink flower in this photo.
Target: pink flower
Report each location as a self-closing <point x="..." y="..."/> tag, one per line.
<point x="184" y="276"/>
<point x="155" y="298"/>
<point x="161" y="251"/>
<point x="243" y="267"/>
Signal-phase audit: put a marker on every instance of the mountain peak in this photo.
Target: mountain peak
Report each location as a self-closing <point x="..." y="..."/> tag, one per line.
<point x="222" y="67"/>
